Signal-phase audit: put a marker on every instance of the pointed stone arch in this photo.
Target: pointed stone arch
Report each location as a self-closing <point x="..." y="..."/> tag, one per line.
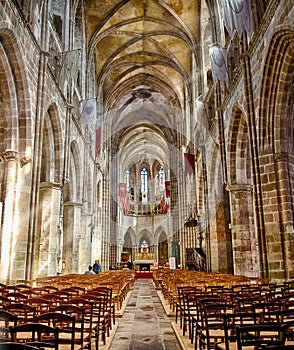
<point x="75" y="184"/>
<point x="276" y="139"/>
<point x="15" y="151"/>
<point x="52" y="147"/>
<point x="145" y="235"/>
<point x="240" y="189"/>
<point x="238" y="150"/>
<point x="162" y="245"/>
<point x="15" y="94"/>
<point x="129" y="237"/>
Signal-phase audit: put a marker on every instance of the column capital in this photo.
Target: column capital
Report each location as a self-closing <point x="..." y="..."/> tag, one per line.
<point x="10" y="155"/>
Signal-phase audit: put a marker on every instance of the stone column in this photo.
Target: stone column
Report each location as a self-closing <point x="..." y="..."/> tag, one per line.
<point x="278" y="214"/>
<point x="71" y="238"/>
<point x="254" y="151"/>
<point x="243" y="234"/>
<point x="38" y="133"/>
<point x="47" y="236"/>
<point x="10" y="165"/>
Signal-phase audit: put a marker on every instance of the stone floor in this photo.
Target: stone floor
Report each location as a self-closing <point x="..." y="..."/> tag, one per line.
<point x="145" y="324"/>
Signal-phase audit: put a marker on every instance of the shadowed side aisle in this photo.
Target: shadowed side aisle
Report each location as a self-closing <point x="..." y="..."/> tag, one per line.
<point x="144" y="325"/>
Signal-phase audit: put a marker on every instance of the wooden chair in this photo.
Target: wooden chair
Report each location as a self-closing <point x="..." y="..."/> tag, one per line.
<point x="41" y="305"/>
<point x="82" y="337"/>
<point x="4" y="301"/>
<point x="260" y="336"/>
<point x="21" y="287"/>
<point x="100" y="319"/>
<point x="180" y="306"/>
<point x="47" y="288"/>
<point x="16" y="346"/>
<point x="66" y="325"/>
<point x="7" y="321"/>
<point x="90" y="331"/>
<point x="189" y="312"/>
<point x="212" y="328"/>
<point x="80" y="290"/>
<point x="286" y="317"/>
<point x="111" y="304"/>
<point x="198" y="324"/>
<point x="25" y="313"/>
<point x="231" y="321"/>
<point x="63" y="296"/>
<point x="268" y="311"/>
<point x="108" y="308"/>
<point x="16" y="297"/>
<point x="36" y="334"/>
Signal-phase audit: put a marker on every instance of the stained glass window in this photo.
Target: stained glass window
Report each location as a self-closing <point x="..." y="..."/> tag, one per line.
<point x="144" y="180"/>
<point x="161" y="176"/>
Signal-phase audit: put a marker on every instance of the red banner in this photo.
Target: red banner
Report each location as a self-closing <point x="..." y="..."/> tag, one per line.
<point x="164" y="205"/>
<point x="123" y="197"/>
<point x="189" y="164"/>
<point x="122" y="191"/>
<point x="167" y="189"/>
<point x="98" y="141"/>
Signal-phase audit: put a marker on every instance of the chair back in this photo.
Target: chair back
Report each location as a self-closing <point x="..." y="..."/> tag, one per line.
<point x="260" y="335"/>
<point x="36" y="334"/>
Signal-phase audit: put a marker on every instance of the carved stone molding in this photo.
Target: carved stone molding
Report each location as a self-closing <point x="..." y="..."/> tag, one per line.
<point x="10" y="155"/>
<point x="50" y="185"/>
<point x="239" y="187"/>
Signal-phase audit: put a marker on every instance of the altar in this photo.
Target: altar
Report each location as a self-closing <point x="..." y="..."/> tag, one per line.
<point x="143" y="263"/>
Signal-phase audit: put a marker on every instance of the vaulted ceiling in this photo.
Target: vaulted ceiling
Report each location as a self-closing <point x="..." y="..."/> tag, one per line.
<point x="143" y="57"/>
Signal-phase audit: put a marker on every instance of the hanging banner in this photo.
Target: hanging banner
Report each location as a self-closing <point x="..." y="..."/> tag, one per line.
<point x="122" y="191"/>
<point x="189" y="163"/>
<point x="123" y="197"/>
<point x="98" y="142"/>
<point x="167" y="189"/>
<point x="88" y="114"/>
<point x="163" y="205"/>
<point x="218" y="59"/>
<point x="237" y="15"/>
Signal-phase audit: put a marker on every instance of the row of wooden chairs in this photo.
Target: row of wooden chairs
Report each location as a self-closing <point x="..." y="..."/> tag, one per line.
<point x="213" y="308"/>
<point x="201" y="313"/>
<point x="88" y="315"/>
<point x="83" y="315"/>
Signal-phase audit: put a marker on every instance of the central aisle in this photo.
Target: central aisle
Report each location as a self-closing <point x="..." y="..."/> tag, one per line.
<point x="144" y="325"/>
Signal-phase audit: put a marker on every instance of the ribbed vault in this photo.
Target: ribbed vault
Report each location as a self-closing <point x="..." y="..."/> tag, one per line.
<point x="143" y="52"/>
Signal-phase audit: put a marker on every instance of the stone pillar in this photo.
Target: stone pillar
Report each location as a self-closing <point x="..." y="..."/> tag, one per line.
<point x="10" y="165"/>
<point x="286" y="212"/>
<point x="243" y="233"/>
<point x="119" y="248"/>
<point x="47" y="235"/>
<point x="71" y="238"/>
<point x="254" y="151"/>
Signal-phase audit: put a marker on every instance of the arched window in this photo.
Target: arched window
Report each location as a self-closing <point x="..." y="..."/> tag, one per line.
<point x="161" y="176"/>
<point x="144" y="181"/>
<point x="159" y="181"/>
<point x="127" y="180"/>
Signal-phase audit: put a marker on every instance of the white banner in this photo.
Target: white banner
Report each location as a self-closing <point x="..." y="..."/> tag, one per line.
<point x="218" y="59"/>
<point x="88" y="113"/>
<point x="237" y="15"/>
